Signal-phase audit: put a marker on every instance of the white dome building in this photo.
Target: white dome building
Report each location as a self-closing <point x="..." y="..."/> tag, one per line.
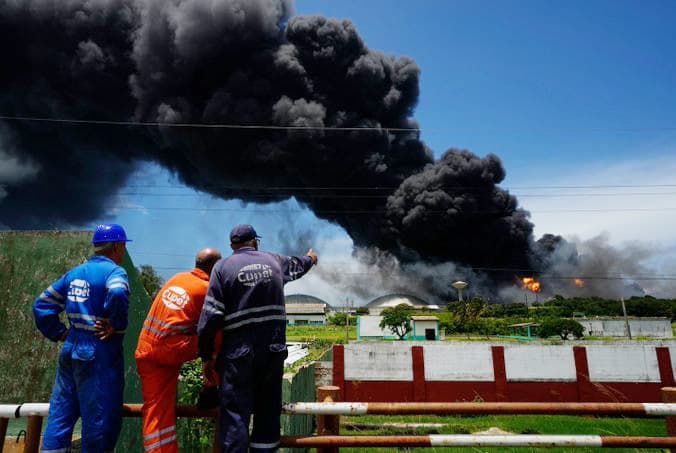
<point x="377" y="305"/>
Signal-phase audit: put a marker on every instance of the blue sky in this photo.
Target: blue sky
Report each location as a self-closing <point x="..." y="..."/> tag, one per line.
<point x="566" y="93"/>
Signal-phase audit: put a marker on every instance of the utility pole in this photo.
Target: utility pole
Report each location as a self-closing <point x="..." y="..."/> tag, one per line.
<point x="347" y="320"/>
<point x="626" y="320"/>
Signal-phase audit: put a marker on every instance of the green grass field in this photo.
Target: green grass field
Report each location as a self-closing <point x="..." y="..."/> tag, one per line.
<point x="522" y="424"/>
<point x="28" y="264"/>
<point x="332" y="334"/>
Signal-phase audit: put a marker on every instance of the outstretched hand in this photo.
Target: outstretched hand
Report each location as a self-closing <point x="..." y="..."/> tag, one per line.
<point x="103" y="330"/>
<point x="311" y="253"/>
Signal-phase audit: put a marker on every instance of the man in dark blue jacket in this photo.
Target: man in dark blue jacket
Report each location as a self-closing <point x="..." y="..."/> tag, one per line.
<point x="90" y="376"/>
<point x="246" y="301"/>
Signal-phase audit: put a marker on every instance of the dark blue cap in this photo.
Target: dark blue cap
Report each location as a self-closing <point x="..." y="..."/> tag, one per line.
<point x="242" y="233"/>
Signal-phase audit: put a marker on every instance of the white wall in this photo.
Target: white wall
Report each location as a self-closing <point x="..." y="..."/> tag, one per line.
<point x="539" y="363"/>
<point x="369" y="327"/>
<point x="624" y="363"/>
<point x="654" y="328"/>
<point x="458" y="362"/>
<point x="388" y="361"/>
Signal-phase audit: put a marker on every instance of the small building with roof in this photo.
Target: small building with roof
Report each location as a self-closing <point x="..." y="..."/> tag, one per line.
<point x="303" y="309"/>
<point x="422" y="328"/>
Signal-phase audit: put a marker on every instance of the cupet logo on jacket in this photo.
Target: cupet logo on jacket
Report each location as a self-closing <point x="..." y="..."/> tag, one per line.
<point x="78" y="291"/>
<point x="254" y="274"/>
<point x="175" y="297"/>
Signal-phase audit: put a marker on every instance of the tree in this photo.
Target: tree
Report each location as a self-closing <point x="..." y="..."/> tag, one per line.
<point x="339" y="319"/>
<point x="362" y="311"/>
<point x="397" y="320"/>
<point x="466" y="314"/>
<point x="561" y="327"/>
<point x="150" y="280"/>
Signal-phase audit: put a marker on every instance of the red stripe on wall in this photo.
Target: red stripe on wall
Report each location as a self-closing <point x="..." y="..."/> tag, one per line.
<point x="542" y="391"/>
<point x="666" y="370"/>
<point x="418" y="355"/>
<point x="445" y="391"/>
<point x="379" y="391"/>
<point x="339" y="369"/>
<point x="501" y="393"/>
<point x="584" y="388"/>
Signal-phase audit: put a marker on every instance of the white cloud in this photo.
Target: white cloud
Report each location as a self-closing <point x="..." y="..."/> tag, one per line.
<point x="645" y="213"/>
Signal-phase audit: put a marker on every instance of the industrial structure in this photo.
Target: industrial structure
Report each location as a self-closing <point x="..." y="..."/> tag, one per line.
<point x="303" y="309"/>
<point x="617" y="327"/>
<point x="377" y="305"/>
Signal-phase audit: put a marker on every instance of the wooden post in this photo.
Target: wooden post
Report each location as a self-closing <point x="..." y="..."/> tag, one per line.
<point x="669" y="396"/>
<point x="3" y="432"/>
<point x="33" y="434"/>
<point x="328" y="425"/>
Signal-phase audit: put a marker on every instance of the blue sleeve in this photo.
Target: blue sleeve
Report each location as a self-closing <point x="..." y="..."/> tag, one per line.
<point x="47" y="307"/>
<point x="212" y="318"/>
<point x="294" y="267"/>
<point x="116" y="304"/>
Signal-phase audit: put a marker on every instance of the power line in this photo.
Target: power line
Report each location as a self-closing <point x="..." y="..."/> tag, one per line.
<point x="541" y="274"/>
<point x="330" y="128"/>
<point x="274" y="188"/>
<point x="343" y="196"/>
<point x="540" y="277"/>
<point x="372" y="211"/>
<point x="206" y="125"/>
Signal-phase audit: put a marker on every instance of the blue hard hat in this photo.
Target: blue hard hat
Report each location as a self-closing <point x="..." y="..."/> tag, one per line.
<point x="110" y="232"/>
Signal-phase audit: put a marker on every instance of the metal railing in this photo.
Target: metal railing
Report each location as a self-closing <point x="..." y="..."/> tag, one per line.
<point x="328" y="412"/>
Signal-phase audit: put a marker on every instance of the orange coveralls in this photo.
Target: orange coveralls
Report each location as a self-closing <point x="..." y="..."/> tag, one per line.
<point x="168" y="340"/>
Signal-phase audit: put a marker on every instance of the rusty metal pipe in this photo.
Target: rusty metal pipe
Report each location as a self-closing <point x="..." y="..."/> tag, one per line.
<point x="33" y="433"/>
<point x="3" y="431"/>
<point x="134" y="410"/>
<point x="328" y="424"/>
<point x="542" y="441"/>
<point x="637" y="410"/>
<point x="601" y="409"/>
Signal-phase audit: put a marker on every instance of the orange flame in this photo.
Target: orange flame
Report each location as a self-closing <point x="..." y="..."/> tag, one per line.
<point x="579" y="283"/>
<point x="531" y="284"/>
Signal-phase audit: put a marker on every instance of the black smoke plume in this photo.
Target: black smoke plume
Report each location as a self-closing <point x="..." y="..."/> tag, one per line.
<point x="244" y="63"/>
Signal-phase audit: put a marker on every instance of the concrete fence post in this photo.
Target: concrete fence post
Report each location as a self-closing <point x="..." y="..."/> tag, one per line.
<point x="669" y="396"/>
<point x="328" y="425"/>
<point x="33" y="433"/>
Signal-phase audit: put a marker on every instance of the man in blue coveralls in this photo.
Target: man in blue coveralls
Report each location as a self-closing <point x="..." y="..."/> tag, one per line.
<point x="90" y="376"/>
<point x="246" y="300"/>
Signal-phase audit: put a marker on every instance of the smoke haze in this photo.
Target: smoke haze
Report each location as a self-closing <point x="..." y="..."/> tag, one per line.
<point x="246" y="63"/>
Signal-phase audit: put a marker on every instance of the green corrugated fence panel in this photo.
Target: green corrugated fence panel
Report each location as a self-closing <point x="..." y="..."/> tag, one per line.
<point x="299" y="387"/>
<point x="139" y="304"/>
